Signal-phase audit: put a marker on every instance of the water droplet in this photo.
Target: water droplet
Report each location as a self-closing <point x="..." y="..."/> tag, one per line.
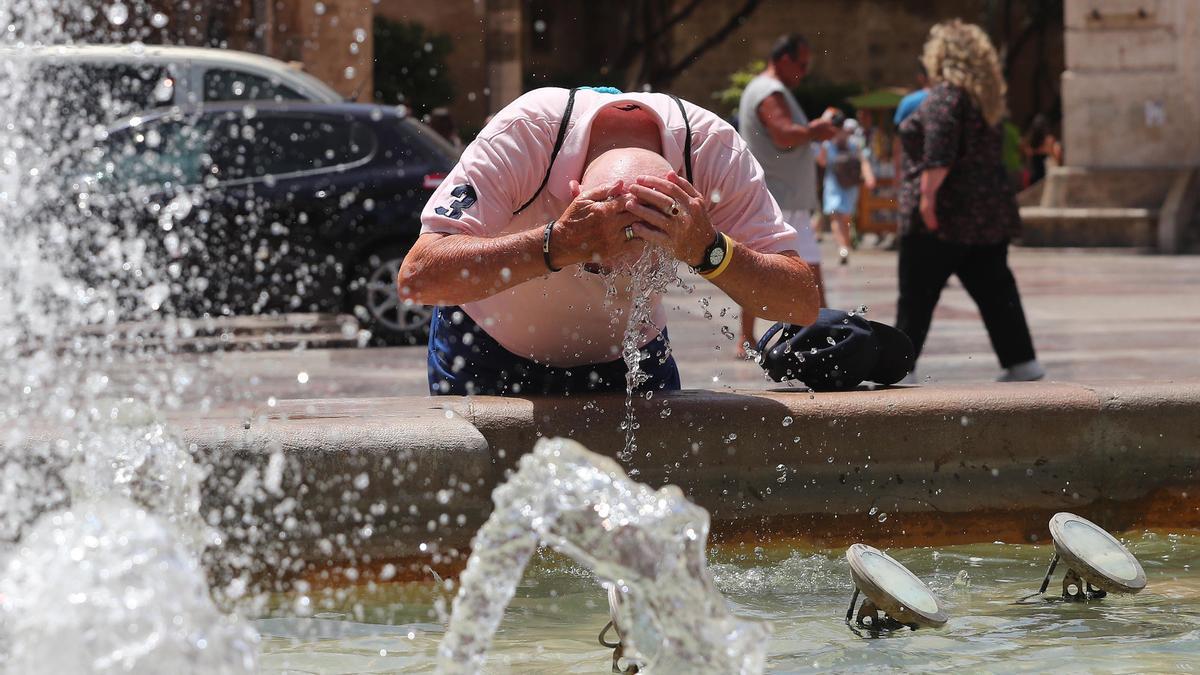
<point x="319" y="8"/>
<point x="361" y="481"/>
<point x="539" y="26"/>
<point x="349" y="72"/>
<point x="159" y="20"/>
<point x="787" y="421"/>
<point x="117" y="13"/>
<point x="302" y="377"/>
<point x="360" y="35"/>
<point x="882" y="517"/>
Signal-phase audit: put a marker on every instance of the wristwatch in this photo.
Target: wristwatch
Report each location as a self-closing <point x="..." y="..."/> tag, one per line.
<point x="714" y="255"/>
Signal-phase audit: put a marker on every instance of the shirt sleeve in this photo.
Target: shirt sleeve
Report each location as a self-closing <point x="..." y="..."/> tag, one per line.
<point x="739" y="203"/>
<point x="943" y="126"/>
<point x="491" y="180"/>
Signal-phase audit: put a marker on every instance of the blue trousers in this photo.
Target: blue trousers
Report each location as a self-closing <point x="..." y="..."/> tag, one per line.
<point x="463" y="359"/>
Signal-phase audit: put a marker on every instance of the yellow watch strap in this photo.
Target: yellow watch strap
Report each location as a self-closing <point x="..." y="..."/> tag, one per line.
<point x="724" y="263"/>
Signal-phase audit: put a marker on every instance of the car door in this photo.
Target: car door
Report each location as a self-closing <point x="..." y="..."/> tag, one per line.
<point x="143" y="189"/>
<point x="309" y="185"/>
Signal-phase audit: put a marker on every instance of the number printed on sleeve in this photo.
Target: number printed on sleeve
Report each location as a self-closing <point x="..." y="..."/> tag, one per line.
<point x="464" y="197"/>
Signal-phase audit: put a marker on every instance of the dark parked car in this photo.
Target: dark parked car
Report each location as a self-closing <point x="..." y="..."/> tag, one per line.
<point x="256" y="207"/>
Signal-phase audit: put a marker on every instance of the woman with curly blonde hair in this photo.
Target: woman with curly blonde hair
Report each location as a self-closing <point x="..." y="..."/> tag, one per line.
<point x="957" y="208"/>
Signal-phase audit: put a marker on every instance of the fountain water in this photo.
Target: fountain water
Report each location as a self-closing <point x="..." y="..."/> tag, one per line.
<point x="649" y="544"/>
<point x="101" y="531"/>
<point x="648" y="277"/>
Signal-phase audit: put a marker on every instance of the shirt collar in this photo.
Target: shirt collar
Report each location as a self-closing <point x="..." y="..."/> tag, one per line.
<point x="568" y="165"/>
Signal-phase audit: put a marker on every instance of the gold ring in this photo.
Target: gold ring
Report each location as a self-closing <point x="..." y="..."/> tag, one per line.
<point x="674" y="210"/>
<point x="628" y="233"/>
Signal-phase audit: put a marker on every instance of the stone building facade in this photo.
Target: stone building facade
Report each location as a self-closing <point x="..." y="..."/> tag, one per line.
<point x="1131" y="92"/>
<point x="503" y="47"/>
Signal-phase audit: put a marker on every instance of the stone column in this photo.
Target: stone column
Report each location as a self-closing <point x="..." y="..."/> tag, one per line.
<point x="504" y="37"/>
<point x="1131" y="92"/>
<point x="337" y="45"/>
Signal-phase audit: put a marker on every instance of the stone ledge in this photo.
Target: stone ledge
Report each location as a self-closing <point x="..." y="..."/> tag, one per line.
<point x="320" y="487"/>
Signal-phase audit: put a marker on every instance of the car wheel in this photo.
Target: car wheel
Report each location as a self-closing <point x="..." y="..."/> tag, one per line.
<point x="378" y="306"/>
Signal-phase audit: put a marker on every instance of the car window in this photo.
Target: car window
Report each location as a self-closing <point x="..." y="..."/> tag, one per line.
<point x="225" y="146"/>
<point x="221" y="84"/>
<point x="100" y="93"/>
<point x="173" y="152"/>
<point x="292" y="143"/>
<point x="419" y="144"/>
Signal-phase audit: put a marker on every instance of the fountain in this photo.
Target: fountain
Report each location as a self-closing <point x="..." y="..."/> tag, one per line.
<point x="649" y="545"/>
<point x="148" y="526"/>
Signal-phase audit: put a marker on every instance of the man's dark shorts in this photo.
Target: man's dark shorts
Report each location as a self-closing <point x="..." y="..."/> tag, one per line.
<point x="463" y="359"/>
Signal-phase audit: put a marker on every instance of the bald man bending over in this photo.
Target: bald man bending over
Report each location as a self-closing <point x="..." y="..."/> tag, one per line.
<point x="561" y="183"/>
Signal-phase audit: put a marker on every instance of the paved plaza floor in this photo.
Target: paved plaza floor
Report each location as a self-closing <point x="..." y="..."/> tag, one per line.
<point x="1095" y="315"/>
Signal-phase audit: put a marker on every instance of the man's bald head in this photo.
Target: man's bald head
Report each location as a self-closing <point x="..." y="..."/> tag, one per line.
<point x="623" y="164"/>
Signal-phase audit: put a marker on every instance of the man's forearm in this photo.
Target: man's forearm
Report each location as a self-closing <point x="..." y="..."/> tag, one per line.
<point x="771" y="286"/>
<point x="458" y="268"/>
<point x="791" y="136"/>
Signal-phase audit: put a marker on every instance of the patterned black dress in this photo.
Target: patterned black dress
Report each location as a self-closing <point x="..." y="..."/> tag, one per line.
<point x="975" y="204"/>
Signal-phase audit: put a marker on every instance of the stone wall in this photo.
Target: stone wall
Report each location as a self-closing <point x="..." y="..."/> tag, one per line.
<point x="1131" y="93"/>
<point x="864" y="41"/>
<point x="336" y="44"/>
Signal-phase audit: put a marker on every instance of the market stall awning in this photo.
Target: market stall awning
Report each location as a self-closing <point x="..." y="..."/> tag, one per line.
<point x="880" y="99"/>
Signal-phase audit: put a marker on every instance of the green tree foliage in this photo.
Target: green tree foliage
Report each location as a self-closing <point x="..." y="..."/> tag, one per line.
<point x="814" y="94"/>
<point x="410" y="65"/>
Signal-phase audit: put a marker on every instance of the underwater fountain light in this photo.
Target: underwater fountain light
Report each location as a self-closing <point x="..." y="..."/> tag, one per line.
<point x="904" y="599"/>
<point x="632" y="665"/>
<point x="1097" y="564"/>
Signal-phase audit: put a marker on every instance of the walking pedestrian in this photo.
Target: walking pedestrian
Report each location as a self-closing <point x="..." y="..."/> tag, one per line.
<point x="957" y="208"/>
<point x="846" y="168"/>
<point x="1040" y="148"/>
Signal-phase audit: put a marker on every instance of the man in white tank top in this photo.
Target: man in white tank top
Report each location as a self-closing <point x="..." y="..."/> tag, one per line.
<point x="781" y="138"/>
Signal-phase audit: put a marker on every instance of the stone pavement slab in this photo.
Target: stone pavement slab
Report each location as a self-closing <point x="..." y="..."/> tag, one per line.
<point x="1094" y="315"/>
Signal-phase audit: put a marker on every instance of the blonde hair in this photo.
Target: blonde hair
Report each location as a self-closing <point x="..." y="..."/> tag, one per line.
<point x="962" y="55"/>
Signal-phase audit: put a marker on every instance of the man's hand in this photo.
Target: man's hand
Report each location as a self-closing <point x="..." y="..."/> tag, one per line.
<point x="592" y="229"/>
<point x="685" y="234"/>
<point x="821" y="129"/>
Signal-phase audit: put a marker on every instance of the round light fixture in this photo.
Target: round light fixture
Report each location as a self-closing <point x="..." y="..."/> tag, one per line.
<point x="890" y="587"/>
<point x="1097" y="564"/>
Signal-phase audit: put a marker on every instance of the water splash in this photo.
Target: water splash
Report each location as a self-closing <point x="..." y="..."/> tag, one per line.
<point x="100" y="532"/>
<point x="649" y="544"/>
<point x="648" y="278"/>
<point x="108" y="587"/>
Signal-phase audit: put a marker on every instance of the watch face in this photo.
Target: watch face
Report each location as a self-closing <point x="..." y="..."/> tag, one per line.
<point x="716" y="256"/>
